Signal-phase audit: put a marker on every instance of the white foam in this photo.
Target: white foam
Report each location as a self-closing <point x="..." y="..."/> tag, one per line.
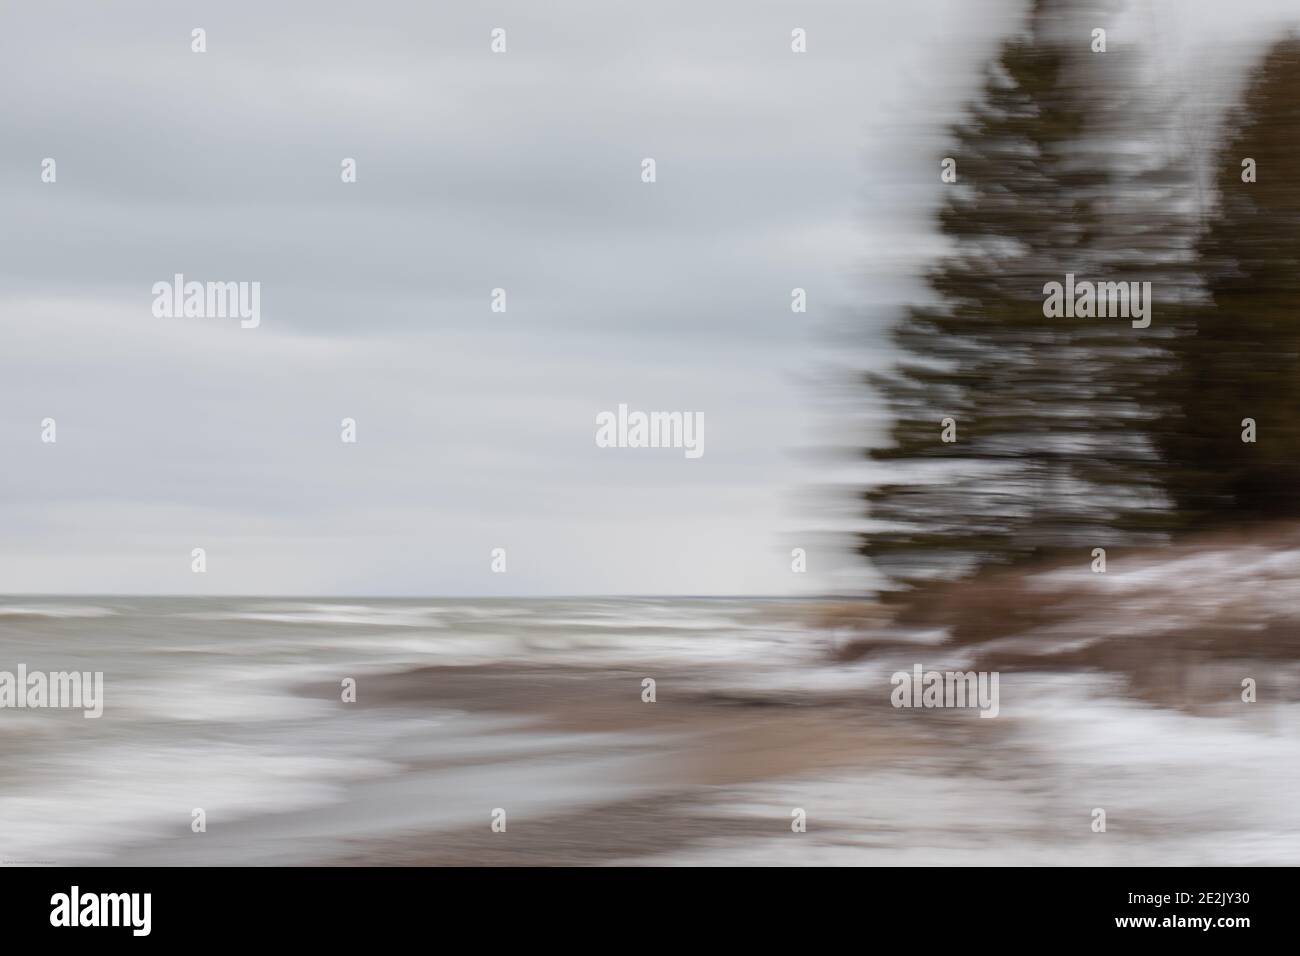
<point x="54" y="611"/>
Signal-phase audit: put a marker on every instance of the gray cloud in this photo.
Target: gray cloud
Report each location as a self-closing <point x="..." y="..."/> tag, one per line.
<point x="476" y="171"/>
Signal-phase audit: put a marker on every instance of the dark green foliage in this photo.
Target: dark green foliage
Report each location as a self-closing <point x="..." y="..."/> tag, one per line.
<point x="1056" y="417"/>
<point x="1242" y="359"/>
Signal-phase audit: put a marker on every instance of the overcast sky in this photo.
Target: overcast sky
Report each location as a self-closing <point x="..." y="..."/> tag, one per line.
<point x="475" y="171"/>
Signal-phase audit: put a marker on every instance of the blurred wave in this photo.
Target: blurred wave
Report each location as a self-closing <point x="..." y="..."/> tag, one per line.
<point x="233" y="706"/>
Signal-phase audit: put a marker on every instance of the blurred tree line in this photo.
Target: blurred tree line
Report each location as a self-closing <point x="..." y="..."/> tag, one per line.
<point x="1018" y="437"/>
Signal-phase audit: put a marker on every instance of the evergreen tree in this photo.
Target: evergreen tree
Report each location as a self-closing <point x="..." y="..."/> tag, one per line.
<point x="1242" y="358"/>
<point x="1053" y="416"/>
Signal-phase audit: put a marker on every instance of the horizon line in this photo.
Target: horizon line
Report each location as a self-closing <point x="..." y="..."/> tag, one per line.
<point x="425" y="597"/>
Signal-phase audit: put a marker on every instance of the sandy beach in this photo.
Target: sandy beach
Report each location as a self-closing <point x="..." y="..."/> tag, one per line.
<point x="761" y="710"/>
